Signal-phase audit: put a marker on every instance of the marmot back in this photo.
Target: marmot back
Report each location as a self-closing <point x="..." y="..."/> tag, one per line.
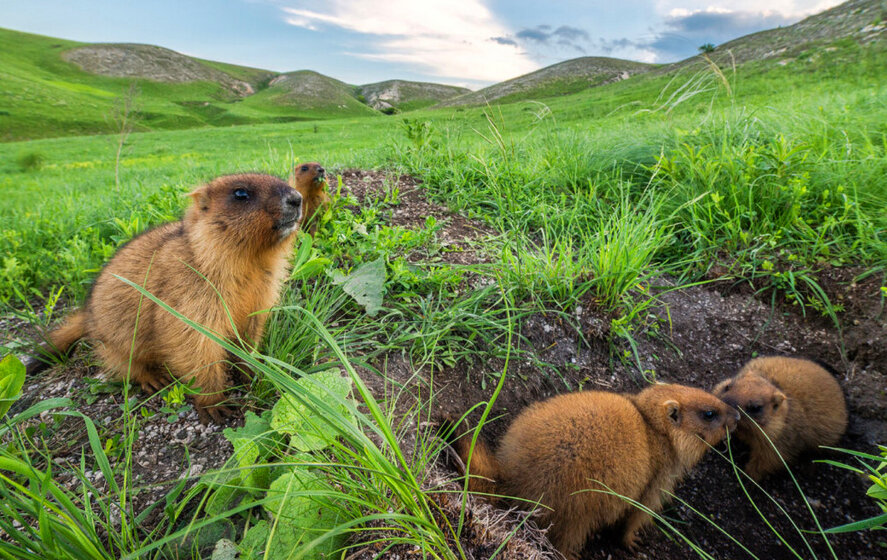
<point x="797" y="403"/>
<point x="571" y="451"/>
<point x="310" y="180"/>
<point x="226" y="260"/>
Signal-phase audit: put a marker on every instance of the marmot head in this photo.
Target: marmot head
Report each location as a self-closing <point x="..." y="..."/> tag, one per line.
<point x="693" y="418"/>
<point x="251" y="210"/>
<point x="756" y="397"/>
<point x="308" y="177"/>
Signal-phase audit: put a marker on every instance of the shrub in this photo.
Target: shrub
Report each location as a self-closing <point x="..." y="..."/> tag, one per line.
<point x="31" y="161"/>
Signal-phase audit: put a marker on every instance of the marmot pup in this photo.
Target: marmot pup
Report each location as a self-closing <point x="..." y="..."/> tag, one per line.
<point x="796" y="403"/>
<point x="573" y="452"/>
<point x="310" y="180"/>
<point x="220" y="266"/>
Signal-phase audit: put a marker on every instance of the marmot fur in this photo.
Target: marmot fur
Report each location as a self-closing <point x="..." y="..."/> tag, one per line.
<point x="569" y="452"/>
<point x="219" y="266"/>
<point x="310" y="180"/>
<point x="796" y="403"/>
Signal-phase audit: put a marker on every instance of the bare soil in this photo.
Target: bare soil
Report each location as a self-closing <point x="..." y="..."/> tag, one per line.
<point x="697" y="336"/>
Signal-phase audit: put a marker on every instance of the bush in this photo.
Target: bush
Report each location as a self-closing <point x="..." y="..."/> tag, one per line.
<point x="707" y="48"/>
<point x="31" y="161"/>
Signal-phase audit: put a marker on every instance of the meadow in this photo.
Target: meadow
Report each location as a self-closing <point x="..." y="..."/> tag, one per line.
<point x="768" y="179"/>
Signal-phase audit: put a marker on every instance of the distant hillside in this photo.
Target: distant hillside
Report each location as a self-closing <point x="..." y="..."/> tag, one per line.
<point x="310" y="95"/>
<point x="406" y="96"/>
<point x="163" y="65"/>
<point x="859" y="20"/>
<point x="54" y="87"/>
<point x="567" y="77"/>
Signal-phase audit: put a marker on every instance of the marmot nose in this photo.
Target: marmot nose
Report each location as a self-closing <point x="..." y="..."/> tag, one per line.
<point x="293" y="200"/>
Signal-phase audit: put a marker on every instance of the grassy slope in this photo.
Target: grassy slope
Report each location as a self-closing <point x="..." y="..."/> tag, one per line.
<point x="564" y="78"/>
<point x="305" y="95"/>
<point x="802" y="146"/>
<point x="43" y="95"/>
<point x="57" y="233"/>
<point x="412" y="95"/>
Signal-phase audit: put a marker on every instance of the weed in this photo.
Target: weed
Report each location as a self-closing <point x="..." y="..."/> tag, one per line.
<point x="31" y="161"/>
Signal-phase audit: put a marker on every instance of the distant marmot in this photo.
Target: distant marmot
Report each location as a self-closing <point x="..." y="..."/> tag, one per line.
<point x="220" y="266"/>
<point x="310" y="180"/>
<point x="569" y="451"/>
<point x="796" y="403"/>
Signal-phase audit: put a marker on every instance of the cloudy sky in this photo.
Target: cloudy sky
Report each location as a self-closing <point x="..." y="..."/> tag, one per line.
<point x="471" y="43"/>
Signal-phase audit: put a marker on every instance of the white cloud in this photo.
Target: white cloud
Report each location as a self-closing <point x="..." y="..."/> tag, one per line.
<point x="447" y="38"/>
<point x="789" y="8"/>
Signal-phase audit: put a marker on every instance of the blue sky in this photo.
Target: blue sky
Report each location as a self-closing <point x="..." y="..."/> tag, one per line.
<point x="472" y="43"/>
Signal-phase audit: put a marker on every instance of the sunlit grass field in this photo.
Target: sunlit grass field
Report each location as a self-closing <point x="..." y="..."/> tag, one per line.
<point x="771" y="172"/>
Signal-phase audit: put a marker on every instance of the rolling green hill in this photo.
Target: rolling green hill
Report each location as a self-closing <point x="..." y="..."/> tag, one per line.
<point x="54" y="87"/>
<point x="862" y="21"/>
<point x="570" y="76"/>
<point x="44" y="94"/>
<point x="307" y="94"/>
<point x="403" y="95"/>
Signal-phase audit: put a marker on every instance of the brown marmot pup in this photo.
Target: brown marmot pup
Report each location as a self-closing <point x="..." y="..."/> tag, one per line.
<point x="310" y="180"/>
<point x="220" y="266"/>
<point x="573" y="452"/>
<point x="796" y="403"/>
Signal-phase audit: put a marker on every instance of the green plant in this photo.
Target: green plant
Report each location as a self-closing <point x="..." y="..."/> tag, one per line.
<point x="876" y="471"/>
<point x="12" y="377"/>
<point x="31" y="161"/>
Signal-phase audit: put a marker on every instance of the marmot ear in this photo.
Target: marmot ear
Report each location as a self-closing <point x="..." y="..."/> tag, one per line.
<point x="199" y="196"/>
<point x="673" y="411"/>
<point x="778" y="398"/>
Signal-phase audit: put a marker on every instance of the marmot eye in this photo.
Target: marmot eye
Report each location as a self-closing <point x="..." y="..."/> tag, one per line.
<point x="304" y="168"/>
<point x="709" y="415"/>
<point x="241" y="194"/>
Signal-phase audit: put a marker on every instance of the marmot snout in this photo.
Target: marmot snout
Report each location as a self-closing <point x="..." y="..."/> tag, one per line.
<point x="573" y="453"/>
<point x="219" y="266"/>
<point x="794" y="403"/>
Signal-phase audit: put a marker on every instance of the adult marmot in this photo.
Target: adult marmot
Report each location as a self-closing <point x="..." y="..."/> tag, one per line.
<point x="220" y="266"/>
<point x="310" y="180"/>
<point x="796" y="404"/>
<point x="578" y="453"/>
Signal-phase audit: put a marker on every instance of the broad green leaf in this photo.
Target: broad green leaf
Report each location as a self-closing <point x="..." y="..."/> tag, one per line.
<point x="224" y="550"/>
<point x="253" y="444"/>
<point x="253" y="543"/>
<point x="305" y="424"/>
<point x="366" y="284"/>
<point x="301" y="518"/>
<point x="307" y="264"/>
<point x="12" y="377"/>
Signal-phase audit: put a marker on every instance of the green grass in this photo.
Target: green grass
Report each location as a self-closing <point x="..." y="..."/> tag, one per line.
<point x="43" y="95"/>
<point x="774" y="172"/>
